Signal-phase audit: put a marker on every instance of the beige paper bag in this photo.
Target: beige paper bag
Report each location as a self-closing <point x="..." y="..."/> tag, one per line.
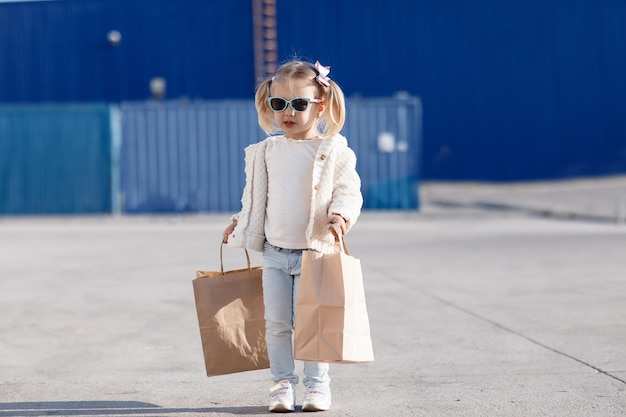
<point x="332" y="324"/>
<point x="231" y="319"/>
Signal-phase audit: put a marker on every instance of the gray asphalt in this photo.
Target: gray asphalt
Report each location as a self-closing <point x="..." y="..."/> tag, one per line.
<point x="493" y="300"/>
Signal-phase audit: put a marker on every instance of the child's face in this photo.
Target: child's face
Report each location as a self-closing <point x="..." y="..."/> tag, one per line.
<point x="297" y="125"/>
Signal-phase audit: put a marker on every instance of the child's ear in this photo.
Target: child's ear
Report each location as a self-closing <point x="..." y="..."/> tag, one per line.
<point x="321" y="108"/>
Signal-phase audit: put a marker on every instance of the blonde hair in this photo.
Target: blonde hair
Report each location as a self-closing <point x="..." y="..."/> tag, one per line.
<point x="332" y="120"/>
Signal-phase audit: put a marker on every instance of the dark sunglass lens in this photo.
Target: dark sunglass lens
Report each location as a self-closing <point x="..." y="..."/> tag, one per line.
<point x="278" y="104"/>
<point x="299" y="104"/>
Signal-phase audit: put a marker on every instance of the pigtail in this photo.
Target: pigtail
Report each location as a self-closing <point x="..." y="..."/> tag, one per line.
<point x="335" y="115"/>
<point x="264" y="113"/>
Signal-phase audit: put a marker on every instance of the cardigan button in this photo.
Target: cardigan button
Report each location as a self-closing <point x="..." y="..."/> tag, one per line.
<point x="323" y="157"/>
<point x="317" y="187"/>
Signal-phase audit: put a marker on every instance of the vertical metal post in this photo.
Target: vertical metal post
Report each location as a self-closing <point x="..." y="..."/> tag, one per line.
<point x="116" y="146"/>
<point x="265" y="37"/>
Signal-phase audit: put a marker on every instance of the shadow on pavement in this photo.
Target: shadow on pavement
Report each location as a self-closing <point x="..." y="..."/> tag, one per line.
<point x="502" y="207"/>
<point x="110" y="408"/>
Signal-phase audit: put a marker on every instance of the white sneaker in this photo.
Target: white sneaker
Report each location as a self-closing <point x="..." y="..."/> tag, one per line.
<point x="316" y="398"/>
<point x="283" y="397"/>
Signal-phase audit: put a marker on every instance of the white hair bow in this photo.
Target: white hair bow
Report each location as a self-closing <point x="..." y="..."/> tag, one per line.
<point x="323" y="71"/>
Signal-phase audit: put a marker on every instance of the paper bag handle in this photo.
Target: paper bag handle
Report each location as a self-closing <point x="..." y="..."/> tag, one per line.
<point x="342" y="242"/>
<point x="222" y="259"/>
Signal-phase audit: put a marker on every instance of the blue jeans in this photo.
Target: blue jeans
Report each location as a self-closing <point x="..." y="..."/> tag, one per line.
<point x="281" y="279"/>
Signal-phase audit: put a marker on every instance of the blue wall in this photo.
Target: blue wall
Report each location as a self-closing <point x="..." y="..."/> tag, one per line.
<point x="512" y="90"/>
<point x="518" y="89"/>
<point x="58" y="50"/>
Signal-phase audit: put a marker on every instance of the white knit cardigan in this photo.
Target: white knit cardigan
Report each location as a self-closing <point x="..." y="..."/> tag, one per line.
<point x="335" y="188"/>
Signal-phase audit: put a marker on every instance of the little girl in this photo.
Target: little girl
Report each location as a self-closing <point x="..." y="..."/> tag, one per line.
<point x="297" y="184"/>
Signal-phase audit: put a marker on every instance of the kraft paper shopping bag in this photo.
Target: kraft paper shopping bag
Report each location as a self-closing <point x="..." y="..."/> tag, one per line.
<point x="332" y="323"/>
<point x="231" y="318"/>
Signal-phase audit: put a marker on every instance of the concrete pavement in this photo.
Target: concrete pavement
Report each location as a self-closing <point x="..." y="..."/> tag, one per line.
<point x="590" y="199"/>
<point x="475" y="311"/>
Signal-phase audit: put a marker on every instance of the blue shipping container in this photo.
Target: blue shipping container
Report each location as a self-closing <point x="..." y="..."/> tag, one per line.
<point x="55" y="159"/>
<point x="188" y="156"/>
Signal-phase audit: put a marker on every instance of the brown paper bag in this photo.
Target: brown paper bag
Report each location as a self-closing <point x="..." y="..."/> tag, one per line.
<point x="230" y="315"/>
<point x="332" y="324"/>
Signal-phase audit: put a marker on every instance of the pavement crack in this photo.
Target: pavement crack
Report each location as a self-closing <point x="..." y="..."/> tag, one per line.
<point x="512" y="331"/>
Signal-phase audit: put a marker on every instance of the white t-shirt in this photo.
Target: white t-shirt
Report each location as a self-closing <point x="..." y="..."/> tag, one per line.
<point x="290" y="176"/>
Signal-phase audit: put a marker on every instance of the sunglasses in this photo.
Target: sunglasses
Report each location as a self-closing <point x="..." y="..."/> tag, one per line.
<point x="299" y="104"/>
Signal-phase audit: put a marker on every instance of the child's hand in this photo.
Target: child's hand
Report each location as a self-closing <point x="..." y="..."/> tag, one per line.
<point x="228" y="231"/>
<point x="339" y="220"/>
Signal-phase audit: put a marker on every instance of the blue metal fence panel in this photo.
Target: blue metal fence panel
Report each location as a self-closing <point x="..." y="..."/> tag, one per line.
<point x="188" y="156"/>
<point x="185" y="156"/>
<point x="55" y="159"/>
<point x="386" y="136"/>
